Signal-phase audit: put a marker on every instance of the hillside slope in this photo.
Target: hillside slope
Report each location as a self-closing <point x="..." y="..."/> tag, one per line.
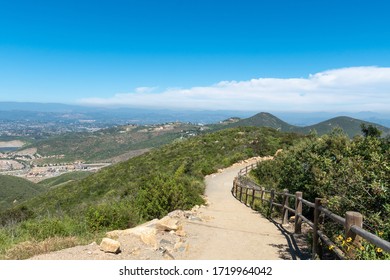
<point x="15" y="189"/>
<point x="105" y="144"/>
<point x="143" y="188"/>
<point x="350" y="126"/>
<point x="259" y="120"/>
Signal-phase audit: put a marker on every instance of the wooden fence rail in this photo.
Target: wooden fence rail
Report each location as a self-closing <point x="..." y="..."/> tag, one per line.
<point x="248" y="192"/>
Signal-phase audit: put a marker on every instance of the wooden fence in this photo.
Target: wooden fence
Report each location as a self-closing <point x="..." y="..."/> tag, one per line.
<point x="248" y="192"/>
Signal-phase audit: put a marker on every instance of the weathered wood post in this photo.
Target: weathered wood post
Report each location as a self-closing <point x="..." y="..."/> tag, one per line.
<point x="298" y="211"/>
<point x="317" y="212"/>
<point x="262" y="194"/>
<point x="240" y="193"/>
<point x="352" y="219"/>
<point x="234" y="186"/>
<point x="271" y="201"/>
<point x="284" y="209"/>
<point x="238" y="183"/>
<point x="253" y="198"/>
<point x="246" y="196"/>
<point x="246" y="170"/>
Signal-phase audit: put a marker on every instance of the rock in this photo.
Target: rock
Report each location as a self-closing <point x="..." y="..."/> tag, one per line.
<point x="292" y="219"/>
<point x="165" y="242"/>
<point x="179" y="246"/>
<point x="113" y="234"/>
<point x="177" y="214"/>
<point x="167" y="255"/>
<point x="110" y="246"/>
<point x="181" y="233"/>
<point x="149" y="237"/>
<point x="194" y="218"/>
<point x="167" y="224"/>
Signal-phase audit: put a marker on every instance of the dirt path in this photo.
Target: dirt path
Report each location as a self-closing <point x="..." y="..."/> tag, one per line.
<point x="224" y="229"/>
<point x="234" y="231"/>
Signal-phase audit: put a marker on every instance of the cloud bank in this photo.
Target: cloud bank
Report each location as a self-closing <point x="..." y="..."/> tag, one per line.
<point x="345" y="89"/>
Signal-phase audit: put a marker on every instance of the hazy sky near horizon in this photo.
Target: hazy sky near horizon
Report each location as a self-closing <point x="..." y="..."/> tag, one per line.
<point x="253" y="55"/>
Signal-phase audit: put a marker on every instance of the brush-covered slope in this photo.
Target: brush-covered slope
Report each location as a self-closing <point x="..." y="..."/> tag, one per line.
<point x="14" y="190"/>
<point x="64" y="178"/>
<point x="350" y="126"/>
<point x="260" y="120"/>
<point x="142" y="188"/>
<point x="105" y="144"/>
<point x="181" y="163"/>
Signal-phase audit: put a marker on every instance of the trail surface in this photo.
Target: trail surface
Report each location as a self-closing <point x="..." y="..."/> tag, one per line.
<point x="234" y="231"/>
<point x="224" y="229"/>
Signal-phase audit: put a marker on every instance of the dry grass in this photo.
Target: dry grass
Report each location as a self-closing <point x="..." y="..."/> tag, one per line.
<point x="28" y="249"/>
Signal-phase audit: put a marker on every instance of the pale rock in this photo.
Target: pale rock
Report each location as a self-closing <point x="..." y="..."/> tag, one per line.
<point x="179" y="246"/>
<point x="110" y="246"/>
<point x="149" y="237"/>
<point x="167" y="224"/>
<point x="181" y="233"/>
<point x="177" y="214"/>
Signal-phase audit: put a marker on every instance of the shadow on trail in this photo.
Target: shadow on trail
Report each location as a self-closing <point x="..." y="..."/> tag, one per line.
<point x="296" y="249"/>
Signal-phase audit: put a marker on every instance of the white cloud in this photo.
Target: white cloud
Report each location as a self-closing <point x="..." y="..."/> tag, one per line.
<point x="348" y="89"/>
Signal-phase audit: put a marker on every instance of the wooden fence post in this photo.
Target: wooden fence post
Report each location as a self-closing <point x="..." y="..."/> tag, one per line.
<point x="298" y="211"/>
<point x="284" y="209"/>
<point x="317" y="204"/>
<point x="246" y="196"/>
<point x="240" y="193"/>
<point x="271" y="201"/>
<point x="352" y="219"/>
<point x="253" y="198"/>
<point x="262" y="194"/>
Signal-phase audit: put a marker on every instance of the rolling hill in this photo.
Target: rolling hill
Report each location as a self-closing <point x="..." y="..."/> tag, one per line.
<point x="350" y="126"/>
<point x="262" y="120"/>
<point x="108" y="144"/>
<point x="14" y="190"/>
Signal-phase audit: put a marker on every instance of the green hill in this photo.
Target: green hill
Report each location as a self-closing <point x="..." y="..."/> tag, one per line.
<point x="258" y="120"/>
<point x="350" y="126"/>
<point x="14" y="190"/>
<point x="103" y="145"/>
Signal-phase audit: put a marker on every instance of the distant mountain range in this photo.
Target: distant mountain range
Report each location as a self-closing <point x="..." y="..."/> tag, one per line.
<point x="110" y="115"/>
<point x="349" y="125"/>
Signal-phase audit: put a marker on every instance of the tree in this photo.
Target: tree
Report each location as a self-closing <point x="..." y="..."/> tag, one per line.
<point x="370" y="131"/>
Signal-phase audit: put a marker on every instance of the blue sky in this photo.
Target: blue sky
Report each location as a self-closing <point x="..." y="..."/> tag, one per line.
<point x="243" y="55"/>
